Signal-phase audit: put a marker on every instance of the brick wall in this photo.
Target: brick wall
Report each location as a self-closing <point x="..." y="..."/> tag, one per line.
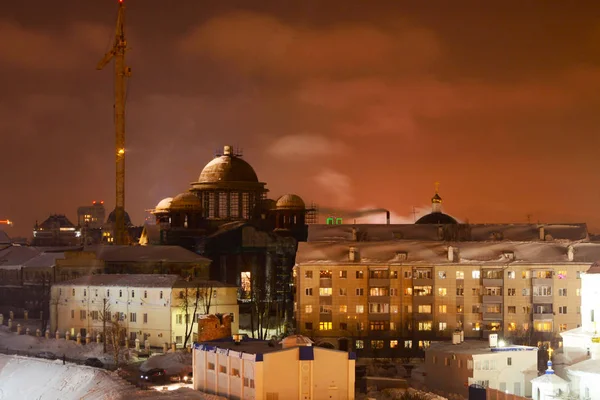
<point x="211" y="327"/>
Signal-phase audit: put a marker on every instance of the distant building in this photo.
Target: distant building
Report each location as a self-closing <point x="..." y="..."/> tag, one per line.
<point x="253" y="369"/>
<point x="92" y="216"/>
<point x="384" y="298"/>
<point x="150" y="307"/>
<point x="56" y="231"/>
<point x="452" y="368"/>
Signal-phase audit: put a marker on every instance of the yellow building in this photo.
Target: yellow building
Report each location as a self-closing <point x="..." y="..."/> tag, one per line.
<point x="385" y="296"/>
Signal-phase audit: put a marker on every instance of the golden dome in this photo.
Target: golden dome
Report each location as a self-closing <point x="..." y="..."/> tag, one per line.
<point x="186" y="201"/>
<point x="290" y="202"/>
<point x="227" y="168"/>
<point x="164" y="204"/>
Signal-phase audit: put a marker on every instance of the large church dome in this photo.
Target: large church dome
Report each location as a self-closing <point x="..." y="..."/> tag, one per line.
<point x="227" y="168"/>
<point x="436" y="216"/>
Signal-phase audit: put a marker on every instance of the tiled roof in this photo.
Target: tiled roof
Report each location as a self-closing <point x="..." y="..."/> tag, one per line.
<point x="174" y="254"/>
<point x="458" y="232"/>
<point x="427" y="252"/>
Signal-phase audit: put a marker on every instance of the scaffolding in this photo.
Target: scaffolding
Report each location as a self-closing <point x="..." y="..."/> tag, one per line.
<point x="312" y="214"/>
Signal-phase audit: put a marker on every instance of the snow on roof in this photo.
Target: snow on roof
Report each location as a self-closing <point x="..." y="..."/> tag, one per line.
<point x="456" y="232"/>
<point x="15" y="256"/>
<point x="124" y="280"/>
<point x="43" y="260"/>
<point x="173" y="254"/>
<point x="427" y="252"/>
<point x="549" y="378"/>
<point x="474" y="347"/>
<point x="589" y="366"/>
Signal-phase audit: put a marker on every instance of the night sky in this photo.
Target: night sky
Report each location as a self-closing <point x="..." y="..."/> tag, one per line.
<point x="349" y="104"/>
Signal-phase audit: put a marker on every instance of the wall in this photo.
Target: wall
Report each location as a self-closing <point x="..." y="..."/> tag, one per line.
<point x="65" y="310"/>
<point x="211" y="327"/>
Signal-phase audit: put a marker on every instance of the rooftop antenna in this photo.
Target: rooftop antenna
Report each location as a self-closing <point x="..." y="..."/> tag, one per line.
<point x="122" y="72"/>
<point x="414" y="213"/>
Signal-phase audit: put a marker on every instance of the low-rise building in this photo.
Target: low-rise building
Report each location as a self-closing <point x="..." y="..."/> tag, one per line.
<point x="158" y="308"/>
<point x="252" y="369"/>
<point x="452" y="368"/>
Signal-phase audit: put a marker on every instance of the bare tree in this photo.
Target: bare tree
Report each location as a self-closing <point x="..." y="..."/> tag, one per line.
<point x="113" y="330"/>
<point x="195" y="294"/>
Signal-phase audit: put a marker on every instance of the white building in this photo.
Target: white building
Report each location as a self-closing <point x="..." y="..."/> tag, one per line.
<point x="151" y="307"/>
<point x="582" y="345"/>
<point x="451" y="368"/>
<point x="252" y="369"/>
<point x="549" y="386"/>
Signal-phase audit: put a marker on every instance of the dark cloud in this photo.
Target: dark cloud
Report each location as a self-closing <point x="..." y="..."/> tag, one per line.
<point x="348" y="104"/>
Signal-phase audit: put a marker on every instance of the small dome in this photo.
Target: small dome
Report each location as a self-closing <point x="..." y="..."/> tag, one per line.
<point x="436" y="218"/>
<point x="227" y="168"/>
<point x="436" y="198"/>
<point x="164" y="204"/>
<point x="112" y="218"/>
<point x="290" y="202"/>
<point x="187" y="201"/>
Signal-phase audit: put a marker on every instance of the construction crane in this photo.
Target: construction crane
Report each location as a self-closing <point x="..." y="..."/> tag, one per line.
<point x="122" y="72"/>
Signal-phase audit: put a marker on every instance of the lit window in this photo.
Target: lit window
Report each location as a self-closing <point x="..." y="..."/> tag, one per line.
<point x="442" y="309"/>
<point x="408" y="344"/>
<point x="325" y="326"/>
<point x="308" y="274"/>
<point x="325" y="291"/>
<point x="360" y="344"/>
<point x="442" y="291"/>
<point x="460" y="274"/>
<point x="308" y="309"/>
<point x="443" y="326"/>
<point x="343" y="308"/>
<point x="476" y="274"/>
<point x="360" y="309"/>
<point x="377" y="344"/>
<point x="393" y="344"/>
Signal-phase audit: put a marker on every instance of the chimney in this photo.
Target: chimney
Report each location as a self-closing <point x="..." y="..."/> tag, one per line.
<point x="354" y="234"/>
<point x="542" y="233"/>
<point x="450" y="253"/>
<point x="227" y="151"/>
<point x="387" y="216"/>
<point x="571" y="253"/>
<point x="353" y="254"/>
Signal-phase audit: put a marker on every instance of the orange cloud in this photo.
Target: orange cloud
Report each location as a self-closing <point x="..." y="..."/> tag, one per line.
<point x="78" y="44"/>
<point x="261" y="44"/>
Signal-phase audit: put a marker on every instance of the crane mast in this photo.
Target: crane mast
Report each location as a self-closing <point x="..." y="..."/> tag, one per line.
<point x="122" y="72"/>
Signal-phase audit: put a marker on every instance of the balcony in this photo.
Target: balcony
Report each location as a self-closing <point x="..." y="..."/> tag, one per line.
<point x="492" y="316"/>
<point x="541" y="281"/>
<point x="379" y="316"/>
<point x="543" y="316"/>
<point x="493" y="282"/>
<point x="325" y="282"/>
<point x="492" y="299"/>
<point x="379" y="299"/>
<point x="543" y="299"/>
<point x="422" y="282"/>
<point x="379" y="282"/>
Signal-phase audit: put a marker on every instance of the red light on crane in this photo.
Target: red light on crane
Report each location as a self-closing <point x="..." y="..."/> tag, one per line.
<point x="101" y="201"/>
<point x="94" y="202"/>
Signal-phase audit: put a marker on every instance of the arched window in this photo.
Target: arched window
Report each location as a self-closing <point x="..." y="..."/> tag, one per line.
<point x="145" y="294"/>
<point x="330" y="221"/>
<point x="133" y="294"/>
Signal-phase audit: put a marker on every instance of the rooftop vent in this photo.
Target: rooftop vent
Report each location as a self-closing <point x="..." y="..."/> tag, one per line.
<point x="571" y="253"/>
<point x="401" y="256"/>
<point x="237" y="338"/>
<point x="452" y="254"/>
<point x="542" y="233"/>
<point x="353" y="254"/>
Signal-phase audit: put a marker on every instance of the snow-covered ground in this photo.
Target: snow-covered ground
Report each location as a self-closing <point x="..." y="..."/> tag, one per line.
<point x="27" y="378"/>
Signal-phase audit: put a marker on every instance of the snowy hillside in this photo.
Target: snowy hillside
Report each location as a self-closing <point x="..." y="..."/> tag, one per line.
<point x="26" y="378"/>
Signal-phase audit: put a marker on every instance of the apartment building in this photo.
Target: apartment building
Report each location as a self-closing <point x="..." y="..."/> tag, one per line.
<point x="387" y="296"/>
<point x="150" y="307"/>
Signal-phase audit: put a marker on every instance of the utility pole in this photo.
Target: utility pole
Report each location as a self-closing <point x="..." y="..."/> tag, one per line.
<point x="122" y="72"/>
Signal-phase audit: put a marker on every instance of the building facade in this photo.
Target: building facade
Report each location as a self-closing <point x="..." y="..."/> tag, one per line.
<point x="254" y="370"/>
<point x="56" y="231"/>
<point x="385" y="297"/>
<point x="149" y="307"/>
<point x="452" y="368"/>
